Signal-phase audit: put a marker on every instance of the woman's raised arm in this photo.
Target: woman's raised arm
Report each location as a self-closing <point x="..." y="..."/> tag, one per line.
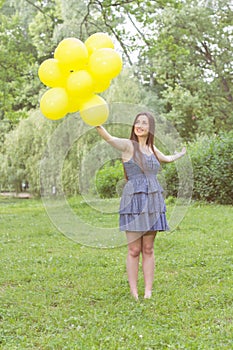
<point x="170" y="158"/>
<point x="122" y="145"/>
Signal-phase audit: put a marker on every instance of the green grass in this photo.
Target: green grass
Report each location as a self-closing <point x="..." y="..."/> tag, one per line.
<point x="56" y="294"/>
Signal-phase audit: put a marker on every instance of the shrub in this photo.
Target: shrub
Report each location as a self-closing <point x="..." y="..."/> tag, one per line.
<point x="109" y="179"/>
<point x="212" y="169"/>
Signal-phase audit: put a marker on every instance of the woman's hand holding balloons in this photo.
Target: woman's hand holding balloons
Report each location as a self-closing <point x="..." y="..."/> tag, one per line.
<point x="76" y="74"/>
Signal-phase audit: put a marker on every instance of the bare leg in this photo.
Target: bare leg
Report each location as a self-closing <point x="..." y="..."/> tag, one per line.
<point x="148" y="263"/>
<point x="132" y="262"/>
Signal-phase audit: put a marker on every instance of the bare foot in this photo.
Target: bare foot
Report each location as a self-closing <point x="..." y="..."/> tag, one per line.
<point x="148" y="295"/>
<point x="135" y="296"/>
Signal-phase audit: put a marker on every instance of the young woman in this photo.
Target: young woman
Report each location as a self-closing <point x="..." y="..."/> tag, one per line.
<point x="142" y="207"/>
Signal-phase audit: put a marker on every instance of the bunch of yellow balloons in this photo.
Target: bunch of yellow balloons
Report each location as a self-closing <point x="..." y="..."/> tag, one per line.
<point x="76" y="74"/>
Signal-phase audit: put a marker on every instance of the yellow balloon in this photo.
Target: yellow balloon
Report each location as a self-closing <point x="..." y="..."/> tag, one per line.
<point x="54" y="103"/>
<point x="94" y="111"/>
<point x="98" y="41"/>
<point x="101" y="85"/>
<point x="66" y="70"/>
<point x="72" y="52"/>
<point x="80" y="84"/>
<point x="51" y="73"/>
<point x="74" y="104"/>
<point x="105" y="64"/>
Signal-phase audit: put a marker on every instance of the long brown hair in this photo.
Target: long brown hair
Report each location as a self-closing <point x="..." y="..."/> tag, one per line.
<point x="137" y="155"/>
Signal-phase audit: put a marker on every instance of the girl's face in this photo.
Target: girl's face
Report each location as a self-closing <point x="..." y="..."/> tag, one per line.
<point x="141" y="126"/>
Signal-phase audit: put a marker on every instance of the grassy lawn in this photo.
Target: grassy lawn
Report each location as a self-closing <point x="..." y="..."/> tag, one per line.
<point x="56" y="294"/>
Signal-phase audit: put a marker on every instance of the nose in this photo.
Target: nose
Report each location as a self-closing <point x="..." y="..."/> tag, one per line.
<point x="138" y="125"/>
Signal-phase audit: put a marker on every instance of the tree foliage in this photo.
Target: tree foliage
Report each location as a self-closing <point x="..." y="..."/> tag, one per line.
<point x="26" y="33"/>
<point x="212" y="169"/>
<point x="181" y="50"/>
<point x="177" y="61"/>
<point x="22" y="151"/>
<point x="17" y="67"/>
<point x="185" y="51"/>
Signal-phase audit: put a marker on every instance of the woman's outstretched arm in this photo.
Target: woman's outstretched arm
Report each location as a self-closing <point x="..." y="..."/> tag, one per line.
<point x="170" y="158"/>
<point x="122" y="145"/>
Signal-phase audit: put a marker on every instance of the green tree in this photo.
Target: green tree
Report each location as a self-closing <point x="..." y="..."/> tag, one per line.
<point x="16" y="69"/>
<point x="22" y="151"/>
<point x="23" y="30"/>
<point x="184" y="51"/>
<point x="188" y="53"/>
<point x="42" y="26"/>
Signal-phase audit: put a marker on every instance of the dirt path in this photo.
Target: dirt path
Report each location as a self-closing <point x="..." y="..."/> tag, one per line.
<point x="23" y="195"/>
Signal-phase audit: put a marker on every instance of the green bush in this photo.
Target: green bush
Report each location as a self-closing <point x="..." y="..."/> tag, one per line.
<point x="212" y="169"/>
<point x="109" y="179"/>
